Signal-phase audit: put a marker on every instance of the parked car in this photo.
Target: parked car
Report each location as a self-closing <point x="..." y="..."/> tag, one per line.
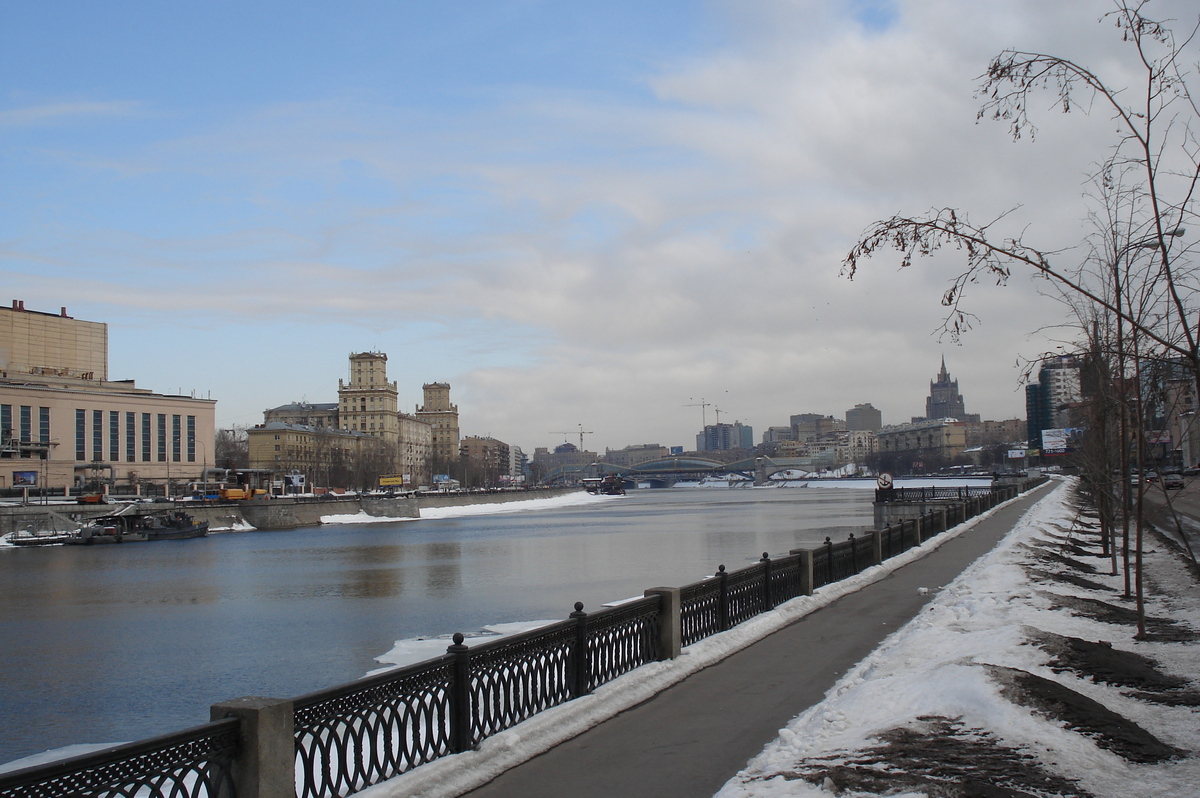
<point x="1172" y="481"/>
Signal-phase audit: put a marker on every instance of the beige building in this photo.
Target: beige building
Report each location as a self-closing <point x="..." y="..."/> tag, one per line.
<point x="946" y="437"/>
<point x="64" y="424"/>
<point x="324" y="455"/>
<point x="368" y="402"/>
<point x="639" y="453"/>
<point x="442" y="416"/>
<point x="308" y="414"/>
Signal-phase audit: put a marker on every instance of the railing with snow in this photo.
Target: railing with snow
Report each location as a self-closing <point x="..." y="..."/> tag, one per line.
<point x="193" y="762"/>
<point x="339" y="741"/>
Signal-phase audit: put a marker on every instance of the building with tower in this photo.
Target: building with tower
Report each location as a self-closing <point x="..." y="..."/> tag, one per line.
<point x="442" y="416"/>
<point x="944" y="400"/>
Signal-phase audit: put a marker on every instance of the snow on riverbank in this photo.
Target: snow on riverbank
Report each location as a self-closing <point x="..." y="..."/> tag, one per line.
<point x="1010" y="678"/>
<point x="458" y="774"/>
<point x="483" y="508"/>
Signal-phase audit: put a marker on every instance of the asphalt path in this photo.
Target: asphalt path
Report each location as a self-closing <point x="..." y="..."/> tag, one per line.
<point x="693" y="737"/>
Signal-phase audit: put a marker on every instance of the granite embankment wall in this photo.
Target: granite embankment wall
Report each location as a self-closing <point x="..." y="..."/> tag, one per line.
<point x="282" y="513"/>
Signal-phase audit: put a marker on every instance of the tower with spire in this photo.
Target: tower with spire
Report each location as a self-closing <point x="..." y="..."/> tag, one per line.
<point x="944" y="400"/>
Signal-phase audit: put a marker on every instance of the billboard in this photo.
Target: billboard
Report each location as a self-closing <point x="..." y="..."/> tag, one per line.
<point x="1054" y="441"/>
<point x="1016" y="454"/>
<point x="24" y="479"/>
<point x="391" y="480"/>
<point x="441" y="478"/>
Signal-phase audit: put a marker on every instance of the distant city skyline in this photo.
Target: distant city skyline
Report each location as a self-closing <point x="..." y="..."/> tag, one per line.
<point x="573" y="213"/>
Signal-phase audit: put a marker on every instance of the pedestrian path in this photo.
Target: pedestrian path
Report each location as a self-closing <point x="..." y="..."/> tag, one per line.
<point x="690" y="739"/>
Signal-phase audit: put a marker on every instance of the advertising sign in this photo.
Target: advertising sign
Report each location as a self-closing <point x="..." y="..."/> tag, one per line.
<point x="391" y="480"/>
<point x="293" y="480"/>
<point x="24" y="479"/>
<point x="1016" y="454"/>
<point x="441" y="477"/>
<point x="1054" y="441"/>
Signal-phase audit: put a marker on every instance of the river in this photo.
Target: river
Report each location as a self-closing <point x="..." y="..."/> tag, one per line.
<point x="108" y="644"/>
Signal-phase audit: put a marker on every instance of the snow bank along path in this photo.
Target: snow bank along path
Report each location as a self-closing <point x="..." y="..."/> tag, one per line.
<point x="942" y="665"/>
<point x="460" y="773"/>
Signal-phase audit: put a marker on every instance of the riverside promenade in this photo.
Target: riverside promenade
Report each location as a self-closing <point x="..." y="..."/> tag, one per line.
<point x="690" y="739"/>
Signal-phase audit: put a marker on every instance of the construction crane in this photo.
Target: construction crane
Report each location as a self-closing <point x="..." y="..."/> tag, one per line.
<point x="703" y="405"/>
<point x="580" y="432"/>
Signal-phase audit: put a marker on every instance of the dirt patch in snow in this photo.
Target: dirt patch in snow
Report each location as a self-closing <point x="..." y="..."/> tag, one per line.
<point x="1060" y="703"/>
<point x="1068" y="578"/>
<point x="1162" y="630"/>
<point x="1048" y="556"/>
<point x="1100" y="661"/>
<point x="939" y="757"/>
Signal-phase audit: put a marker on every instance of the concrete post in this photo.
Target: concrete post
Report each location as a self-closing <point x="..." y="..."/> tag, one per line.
<point x="806" y="570"/>
<point x="876" y="547"/>
<point x="670" y="624"/>
<point x="265" y="766"/>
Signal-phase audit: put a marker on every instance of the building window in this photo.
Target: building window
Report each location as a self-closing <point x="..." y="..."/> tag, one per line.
<point x="146" y="437"/>
<point x="162" y="437"/>
<point x="114" y="436"/>
<point x="80" y="434"/>
<point x="26" y="423"/>
<point x="97" y="434"/>
<point x="6" y="427"/>
<point x="43" y="425"/>
<point x="130" y="437"/>
<point x="191" y="439"/>
<point x="176" y="438"/>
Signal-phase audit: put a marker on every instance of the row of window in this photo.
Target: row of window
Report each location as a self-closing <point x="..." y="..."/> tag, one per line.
<point x="18" y="426"/>
<point x="125" y="435"/>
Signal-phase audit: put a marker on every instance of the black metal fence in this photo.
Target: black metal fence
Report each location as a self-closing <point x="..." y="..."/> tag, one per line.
<point x="187" y="764"/>
<point x="352" y="736"/>
<point x="360" y="734"/>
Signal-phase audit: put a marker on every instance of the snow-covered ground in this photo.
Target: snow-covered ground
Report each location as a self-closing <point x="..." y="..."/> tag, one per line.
<point x="455" y="775"/>
<point x="1013" y="677"/>
<point x="483" y="508"/>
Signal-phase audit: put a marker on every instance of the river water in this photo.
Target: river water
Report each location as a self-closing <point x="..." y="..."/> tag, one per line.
<point x="107" y="644"/>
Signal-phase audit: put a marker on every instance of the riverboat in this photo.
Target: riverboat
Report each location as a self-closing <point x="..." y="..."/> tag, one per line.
<point x="110" y="529"/>
<point x="35" y="538"/>
<point x="611" y="485"/>
<point x="175" y="526"/>
<point x="138" y="528"/>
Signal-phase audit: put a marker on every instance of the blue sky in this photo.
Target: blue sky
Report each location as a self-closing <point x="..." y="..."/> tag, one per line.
<point x="576" y="213"/>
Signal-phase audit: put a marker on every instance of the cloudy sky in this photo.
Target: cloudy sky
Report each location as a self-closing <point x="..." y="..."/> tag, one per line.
<point x="577" y="213"/>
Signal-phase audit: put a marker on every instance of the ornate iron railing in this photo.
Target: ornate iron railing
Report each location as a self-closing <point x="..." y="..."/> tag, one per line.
<point x="956" y="494"/>
<point x="362" y="733"/>
<point x="517" y="677"/>
<point x="699" y="610"/>
<point x="622" y="638"/>
<point x="194" y="763"/>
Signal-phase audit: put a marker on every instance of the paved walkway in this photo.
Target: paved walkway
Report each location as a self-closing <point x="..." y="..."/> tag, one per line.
<point x="692" y="738"/>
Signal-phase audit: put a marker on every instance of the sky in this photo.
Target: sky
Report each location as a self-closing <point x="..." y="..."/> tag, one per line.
<point x="592" y="216"/>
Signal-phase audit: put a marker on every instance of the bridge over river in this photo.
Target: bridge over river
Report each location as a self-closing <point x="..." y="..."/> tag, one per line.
<point x="667" y="471"/>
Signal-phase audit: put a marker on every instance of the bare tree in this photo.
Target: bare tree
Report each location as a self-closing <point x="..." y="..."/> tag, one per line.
<point x="1132" y="309"/>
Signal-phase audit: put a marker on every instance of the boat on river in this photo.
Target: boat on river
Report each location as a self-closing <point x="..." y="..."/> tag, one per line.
<point x="176" y="525"/>
<point x="121" y="528"/>
<point x="30" y="537"/>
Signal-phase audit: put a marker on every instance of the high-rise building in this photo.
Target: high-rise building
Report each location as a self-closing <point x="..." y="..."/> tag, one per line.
<point x="716" y="437"/>
<point x="864" y="417"/>
<point x="1049" y="402"/>
<point x="443" y="418"/>
<point x="944" y="400"/>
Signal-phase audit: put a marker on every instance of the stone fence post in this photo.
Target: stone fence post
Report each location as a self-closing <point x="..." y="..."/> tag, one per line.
<point x="265" y="766"/>
<point x="670" y="625"/>
<point x="806" y="570"/>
